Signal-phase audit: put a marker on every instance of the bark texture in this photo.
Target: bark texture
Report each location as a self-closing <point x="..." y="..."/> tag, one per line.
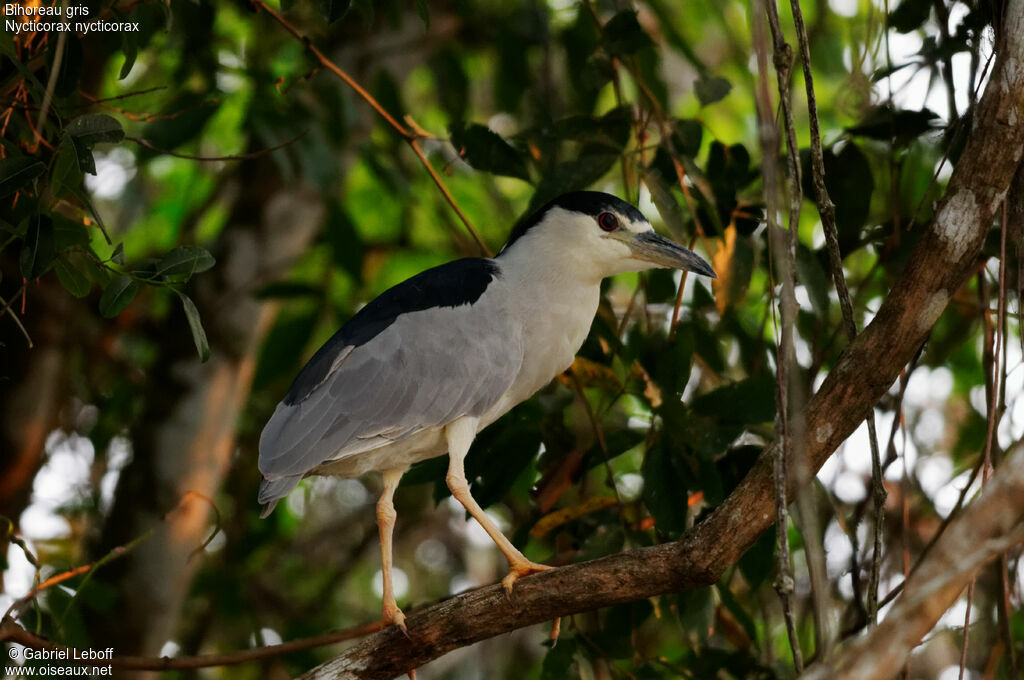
<point x="946" y="255"/>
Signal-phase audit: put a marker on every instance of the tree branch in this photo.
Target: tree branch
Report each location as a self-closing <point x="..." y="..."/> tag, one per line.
<point x="485" y="612"/>
<point x="412" y="136"/>
<point x="939" y="265"/>
<point x="990" y="525"/>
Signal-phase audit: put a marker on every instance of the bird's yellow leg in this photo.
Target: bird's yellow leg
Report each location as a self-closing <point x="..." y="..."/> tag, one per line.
<point x="460" y="434"/>
<point x="386" y="524"/>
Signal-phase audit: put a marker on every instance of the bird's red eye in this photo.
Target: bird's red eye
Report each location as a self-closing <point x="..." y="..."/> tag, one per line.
<point x="608" y="221"/>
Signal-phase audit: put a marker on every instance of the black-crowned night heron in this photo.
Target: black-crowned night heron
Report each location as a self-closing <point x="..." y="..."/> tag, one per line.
<point x="420" y="370"/>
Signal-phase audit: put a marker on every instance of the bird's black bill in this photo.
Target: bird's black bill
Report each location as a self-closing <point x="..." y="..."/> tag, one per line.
<point x="661" y="251"/>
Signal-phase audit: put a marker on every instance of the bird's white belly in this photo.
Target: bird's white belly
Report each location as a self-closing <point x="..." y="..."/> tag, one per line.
<point x="428" y="443"/>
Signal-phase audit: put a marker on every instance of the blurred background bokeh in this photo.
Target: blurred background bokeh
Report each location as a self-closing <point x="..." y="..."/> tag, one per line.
<point x="127" y="256"/>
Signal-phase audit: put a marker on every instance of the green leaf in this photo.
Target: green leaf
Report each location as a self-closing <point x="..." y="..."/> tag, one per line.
<point x="711" y="89"/>
<point x="623" y="34"/>
<point x="910" y="15"/>
<point x="74" y="281"/>
<point x="332" y="10"/>
<point x="452" y="83"/>
<point x="195" y="324"/>
<point x="86" y="162"/>
<point x="37" y="250"/>
<point x="117" y="257"/>
<point x="748" y="401"/>
<point x="83" y="196"/>
<point x="572" y="176"/>
<point x="118" y="294"/>
<point x="69" y="233"/>
<point x="850" y="183"/>
<point x="347" y="248"/>
<point x="501" y="452"/>
<point x="558" y="660"/>
<point x="514" y="76"/>
<point x="94" y="128"/>
<point x="185" y="261"/>
<point x="898" y="126"/>
<point x="67" y="175"/>
<point x="609" y="132"/>
<point x="181" y="121"/>
<point x="665" y="489"/>
<point x="130" y="49"/>
<point x="17" y="171"/>
<point x="671" y="359"/>
<point x="665" y="201"/>
<point x="485" y="150"/>
<point x="150" y="17"/>
<point x="686" y="136"/>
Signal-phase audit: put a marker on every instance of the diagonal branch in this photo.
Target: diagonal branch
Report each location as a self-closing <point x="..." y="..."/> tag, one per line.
<point x="827" y="210"/>
<point x="943" y="259"/>
<point x="992" y="524"/>
<point x="780" y="245"/>
<point x="412" y="137"/>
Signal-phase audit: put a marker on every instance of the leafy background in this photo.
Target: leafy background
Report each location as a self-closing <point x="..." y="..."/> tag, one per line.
<point x="170" y="300"/>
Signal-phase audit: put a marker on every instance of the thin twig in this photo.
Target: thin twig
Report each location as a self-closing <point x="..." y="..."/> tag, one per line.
<point x="814" y="550"/>
<point x="409" y="136"/>
<point x="1004" y="562"/>
<point x="51" y="83"/>
<point x="6" y="307"/>
<point x="781" y="246"/>
<point x="993" y="341"/>
<point x="103" y="100"/>
<point x="237" y="157"/>
<point x="826" y="210"/>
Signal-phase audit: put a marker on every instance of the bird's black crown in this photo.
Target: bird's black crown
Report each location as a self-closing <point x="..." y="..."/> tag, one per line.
<point x="587" y="202"/>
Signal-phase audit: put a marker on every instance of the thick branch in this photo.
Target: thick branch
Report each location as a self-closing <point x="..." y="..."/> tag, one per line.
<point x="486" y="612"/>
<point x="990" y="525"/>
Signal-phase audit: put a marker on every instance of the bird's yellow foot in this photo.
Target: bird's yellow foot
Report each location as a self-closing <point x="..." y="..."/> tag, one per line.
<point x="519" y="569"/>
<point x="394" y="616"/>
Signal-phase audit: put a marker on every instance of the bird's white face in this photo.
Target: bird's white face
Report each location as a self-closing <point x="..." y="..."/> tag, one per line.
<point x="612" y="243"/>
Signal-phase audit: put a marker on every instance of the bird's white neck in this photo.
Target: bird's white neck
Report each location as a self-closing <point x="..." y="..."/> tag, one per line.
<point x="556" y="301"/>
<point x="552" y="263"/>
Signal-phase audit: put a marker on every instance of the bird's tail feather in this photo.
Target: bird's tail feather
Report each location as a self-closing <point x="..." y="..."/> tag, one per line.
<point x="273" y="490"/>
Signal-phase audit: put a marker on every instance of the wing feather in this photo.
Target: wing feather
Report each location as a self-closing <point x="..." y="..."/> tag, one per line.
<point x="426" y="369"/>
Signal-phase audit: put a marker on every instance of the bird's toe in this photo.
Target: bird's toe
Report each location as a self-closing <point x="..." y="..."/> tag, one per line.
<point x="394" y="616"/>
<point x="518" y="570"/>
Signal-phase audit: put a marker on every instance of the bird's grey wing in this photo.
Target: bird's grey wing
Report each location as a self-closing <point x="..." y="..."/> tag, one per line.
<point x="426" y="369"/>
